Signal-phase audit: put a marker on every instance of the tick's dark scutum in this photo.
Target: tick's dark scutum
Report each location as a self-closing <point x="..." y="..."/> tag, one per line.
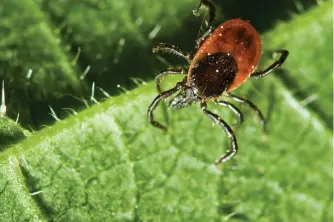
<point x="213" y="74"/>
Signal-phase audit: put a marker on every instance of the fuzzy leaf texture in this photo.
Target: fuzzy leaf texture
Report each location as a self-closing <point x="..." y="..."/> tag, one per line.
<point x="107" y="164"/>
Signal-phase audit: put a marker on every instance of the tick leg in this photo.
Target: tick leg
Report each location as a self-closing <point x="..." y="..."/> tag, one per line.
<point x="252" y="106"/>
<point x="156" y="101"/>
<point x="233" y="108"/>
<point x="166" y="72"/>
<point x="172" y="49"/>
<point x="284" y="54"/>
<point x="234" y="145"/>
<point x="212" y="15"/>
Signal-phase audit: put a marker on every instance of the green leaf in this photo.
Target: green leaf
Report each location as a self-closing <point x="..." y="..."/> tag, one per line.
<point x="33" y="62"/>
<point x="47" y="47"/>
<point x="10" y="133"/>
<point x="107" y="164"/>
<point x="308" y="66"/>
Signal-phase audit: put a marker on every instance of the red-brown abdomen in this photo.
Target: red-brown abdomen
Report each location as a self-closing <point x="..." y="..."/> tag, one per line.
<point x="238" y="38"/>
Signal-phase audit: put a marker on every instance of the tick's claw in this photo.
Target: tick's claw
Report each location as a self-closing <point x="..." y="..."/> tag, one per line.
<point x="196" y="12"/>
<point x="264" y="129"/>
<point x="165" y="129"/>
<point x="162" y="127"/>
<point x="215" y="166"/>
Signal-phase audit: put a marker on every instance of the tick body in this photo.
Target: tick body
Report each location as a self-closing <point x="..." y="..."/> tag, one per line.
<point x="234" y="48"/>
<point x="225" y="58"/>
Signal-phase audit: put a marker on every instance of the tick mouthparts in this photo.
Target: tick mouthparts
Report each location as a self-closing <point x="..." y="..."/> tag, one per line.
<point x="185" y="98"/>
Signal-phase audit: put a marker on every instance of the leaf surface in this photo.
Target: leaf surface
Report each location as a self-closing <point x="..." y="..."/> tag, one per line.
<point x="107" y="164"/>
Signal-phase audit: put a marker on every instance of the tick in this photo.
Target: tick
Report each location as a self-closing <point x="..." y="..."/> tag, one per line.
<point x="224" y="58"/>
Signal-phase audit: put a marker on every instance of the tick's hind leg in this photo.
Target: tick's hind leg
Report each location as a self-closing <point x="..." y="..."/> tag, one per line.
<point x="166" y="72"/>
<point x="284" y="54"/>
<point x="212" y="15"/>
<point x="171" y="49"/>
<point x="156" y="101"/>
<point x="234" y="146"/>
<point x="252" y="106"/>
<point x="233" y="108"/>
